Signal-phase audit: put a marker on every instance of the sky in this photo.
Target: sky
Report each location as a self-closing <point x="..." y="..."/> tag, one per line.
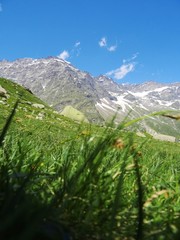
<point x="130" y="41"/>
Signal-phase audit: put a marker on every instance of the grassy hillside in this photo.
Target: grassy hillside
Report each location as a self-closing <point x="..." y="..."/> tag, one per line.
<point x="64" y="180"/>
<point x="38" y="120"/>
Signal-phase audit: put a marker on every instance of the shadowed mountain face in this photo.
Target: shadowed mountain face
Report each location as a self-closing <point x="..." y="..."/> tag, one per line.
<point x="56" y="82"/>
<point x="60" y="84"/>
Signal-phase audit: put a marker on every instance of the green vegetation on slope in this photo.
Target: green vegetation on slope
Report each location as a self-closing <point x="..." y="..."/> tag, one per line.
<point x="30" y="117"/>
<point x="63" y="180"/>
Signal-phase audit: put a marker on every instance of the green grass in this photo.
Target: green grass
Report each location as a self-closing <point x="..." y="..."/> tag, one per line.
<point x="64" y="180"/>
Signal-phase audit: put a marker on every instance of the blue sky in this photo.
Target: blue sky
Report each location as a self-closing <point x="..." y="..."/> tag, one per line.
<point x="129" y="40"/>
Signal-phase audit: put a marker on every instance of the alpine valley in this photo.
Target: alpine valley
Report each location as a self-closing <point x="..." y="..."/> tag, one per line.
<point x="61" y="85"/>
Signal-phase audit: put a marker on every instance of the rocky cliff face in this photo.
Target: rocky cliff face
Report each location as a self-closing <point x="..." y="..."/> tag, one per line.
<point x="56" y="82"/>
<point x="59" y="84"/>
<point x="141" y="99"/>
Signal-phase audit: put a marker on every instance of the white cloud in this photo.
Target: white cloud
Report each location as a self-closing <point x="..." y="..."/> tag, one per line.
<point x="64" y="55"/>
<point x="134" y="56"/>
<point x="122" y="71"/>
<point x="103" y="42"/>
<point x="77" y="44"/>
<point x="1" y="7"/>
<point x="112" y="48"/>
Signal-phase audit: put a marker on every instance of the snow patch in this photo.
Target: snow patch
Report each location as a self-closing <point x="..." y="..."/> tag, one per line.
<point x="105" y="105"/>
<point x="143" y="107"/>
<point x="145" y="93"/>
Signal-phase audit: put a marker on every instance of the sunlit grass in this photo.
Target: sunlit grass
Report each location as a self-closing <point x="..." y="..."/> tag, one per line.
<point x="63" y="180"/>
<point x="87" y="185"/>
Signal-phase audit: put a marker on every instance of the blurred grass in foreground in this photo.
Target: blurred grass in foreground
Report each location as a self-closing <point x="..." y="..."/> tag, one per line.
<point x="106" y="184"/>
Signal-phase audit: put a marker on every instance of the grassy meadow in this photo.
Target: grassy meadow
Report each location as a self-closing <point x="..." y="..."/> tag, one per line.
<point x="60" y="179"/>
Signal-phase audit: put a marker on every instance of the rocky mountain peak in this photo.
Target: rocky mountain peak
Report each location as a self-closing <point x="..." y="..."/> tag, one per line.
<point x="60" y="84"/>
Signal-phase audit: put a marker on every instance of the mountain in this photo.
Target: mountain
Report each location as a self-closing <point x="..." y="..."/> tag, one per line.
<point x="35" y="118"/>
<point x="56" y="82"/>
<point x="60" y="84"/>
<point x="136" y="100"/>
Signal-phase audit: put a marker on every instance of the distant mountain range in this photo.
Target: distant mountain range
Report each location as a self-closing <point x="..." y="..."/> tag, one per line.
<point x="60" y="84"/>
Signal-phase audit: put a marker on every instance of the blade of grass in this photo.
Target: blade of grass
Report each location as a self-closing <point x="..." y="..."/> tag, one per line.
<point x="119" y="189"/>
<point x="8" y="123"/>
<point x="140" y="192"/>
<point x="160" y="113"/>
<point x="140" y="217"/>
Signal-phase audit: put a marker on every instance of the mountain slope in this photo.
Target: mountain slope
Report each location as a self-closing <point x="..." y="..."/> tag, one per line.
<point x="141" y="99"/>
<point x="56" y="82"/>
<point x="60" y="84"/>
<point x="33" y="116"/>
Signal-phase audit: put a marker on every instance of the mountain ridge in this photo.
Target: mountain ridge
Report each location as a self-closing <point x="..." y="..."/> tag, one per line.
<point x="60" y="84"/>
